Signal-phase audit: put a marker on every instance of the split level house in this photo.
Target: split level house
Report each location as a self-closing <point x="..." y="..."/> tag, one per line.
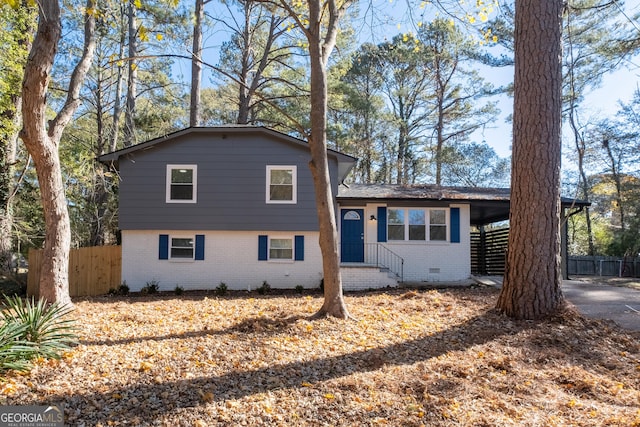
<point x="236" y="205"/>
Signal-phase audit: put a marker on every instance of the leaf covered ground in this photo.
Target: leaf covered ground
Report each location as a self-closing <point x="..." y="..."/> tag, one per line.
<point x="434" y="358"/>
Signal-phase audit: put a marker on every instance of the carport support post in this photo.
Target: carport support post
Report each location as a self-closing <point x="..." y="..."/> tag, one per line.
<point x="564" y="244"/>
<point x="482" y="251"/>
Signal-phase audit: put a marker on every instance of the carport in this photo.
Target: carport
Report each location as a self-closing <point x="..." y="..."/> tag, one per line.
<point x="491" y="206"/>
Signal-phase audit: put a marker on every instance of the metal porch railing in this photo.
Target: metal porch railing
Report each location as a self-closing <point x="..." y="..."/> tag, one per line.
<point x="379" y="255"/>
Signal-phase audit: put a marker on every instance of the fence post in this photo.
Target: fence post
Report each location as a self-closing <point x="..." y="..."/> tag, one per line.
<point x="482" y="255"/>
<point x="619" y="268"/>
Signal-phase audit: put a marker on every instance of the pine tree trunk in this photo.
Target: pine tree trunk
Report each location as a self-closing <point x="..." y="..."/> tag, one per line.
<point x="615" y="174"/>
<point x="117" y="104"/>
<point x="132" y="79"/>
<point x="532" y="279"/>
<point x="196" y="64"/>
<point x="244" y="97"/>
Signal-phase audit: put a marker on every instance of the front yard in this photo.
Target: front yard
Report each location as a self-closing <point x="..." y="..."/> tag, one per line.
<point x="436" y="358"/>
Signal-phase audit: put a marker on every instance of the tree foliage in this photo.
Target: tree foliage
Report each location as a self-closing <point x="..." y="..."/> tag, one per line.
<point x="15" y="37"/>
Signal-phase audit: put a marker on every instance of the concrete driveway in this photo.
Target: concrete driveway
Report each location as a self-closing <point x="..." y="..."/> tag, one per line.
<point x="613" y="298"/>
<point x="597" y="299"/>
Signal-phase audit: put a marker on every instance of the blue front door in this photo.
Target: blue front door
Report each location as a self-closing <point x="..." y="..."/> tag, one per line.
<point x="352" y="235"/>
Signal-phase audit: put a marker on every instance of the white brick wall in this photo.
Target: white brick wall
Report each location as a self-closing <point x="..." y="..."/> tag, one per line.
<point x="230" y="257"/>
<point x="363" y="278"/>
<point x="429" y="261"/>
<point x="437" y="261"/>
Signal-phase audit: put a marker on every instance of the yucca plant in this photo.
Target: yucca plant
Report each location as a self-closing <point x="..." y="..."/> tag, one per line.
<point x="45" y="325"/>
<point x="15" y="353"/>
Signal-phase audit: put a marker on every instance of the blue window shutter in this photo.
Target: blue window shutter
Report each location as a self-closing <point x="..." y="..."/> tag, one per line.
<point x="199" y="247"/>
<point x="262" y="248"/>
<point x="382" y="224"/>
<point x="299" y="246"/>
<point x="455" y="225"/>
<point x="163" y="247"/>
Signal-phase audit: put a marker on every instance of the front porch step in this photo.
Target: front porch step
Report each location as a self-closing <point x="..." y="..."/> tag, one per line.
<point x="358" y="276"/>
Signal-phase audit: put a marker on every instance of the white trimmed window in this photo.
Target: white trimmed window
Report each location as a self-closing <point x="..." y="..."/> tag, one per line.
<point x="281" y="184"/>
<point x="281" y="249"/>
<point x="438" y="224"/>
<point x="181" y="248"/>
<point x="182" y="183"/>
<point x="417" y="224"/>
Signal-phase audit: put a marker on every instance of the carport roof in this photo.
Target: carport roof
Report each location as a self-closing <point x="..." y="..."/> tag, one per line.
<point x="487" y="204"/>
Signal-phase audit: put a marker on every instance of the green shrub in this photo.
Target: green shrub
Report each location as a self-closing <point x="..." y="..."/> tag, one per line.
<point x="179" y="290"/>
<point x="221" y="289"/>
<point x="15" y="353"/>
<point x="264" y="289"/>
<point x="32" y="330"/>
<point x="300" y="289"/>
<point x="151" y="287"/>
<point x="124" y="288"/>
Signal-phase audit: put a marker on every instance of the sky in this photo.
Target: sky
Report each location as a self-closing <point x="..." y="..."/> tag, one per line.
<point x="601" y="102"/>
<point x="383" y="19"/>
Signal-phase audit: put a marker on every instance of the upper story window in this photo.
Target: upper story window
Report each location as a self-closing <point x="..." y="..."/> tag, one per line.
<point x="417" y="224"/>
<point x="182" y="183"/>
<point x="281" y="184"/>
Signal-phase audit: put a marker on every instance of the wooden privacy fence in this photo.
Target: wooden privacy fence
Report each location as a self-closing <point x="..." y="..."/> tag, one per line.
<point x="92" y="271"/>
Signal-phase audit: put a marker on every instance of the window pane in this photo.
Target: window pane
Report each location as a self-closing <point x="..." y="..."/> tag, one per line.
<point x="352" y="216"/>
<point x="184" y="242"/>
<point x="281" y="249"/>
<point x="182" y="253"/>
<point x="282" y="176"/>
<point x="181" y="192"/>
<point x="416" y="217"/>
<point x="438" y="232"/>
<point x="437" y="216"/>
<point x="281" y="243"/>
<point x="417" y="232"/>
<point x="395" y="232"/>
<point x="181" y="248"/>
<point x="281" y="192"/>
<point x="395" y="216"/>
<point x="181" y="176"/>
<point x="280" y="254"/>
<point x="395" y="221"/>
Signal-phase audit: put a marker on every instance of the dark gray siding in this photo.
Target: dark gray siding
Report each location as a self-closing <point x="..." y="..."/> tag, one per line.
<point x="230" y="185"/>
